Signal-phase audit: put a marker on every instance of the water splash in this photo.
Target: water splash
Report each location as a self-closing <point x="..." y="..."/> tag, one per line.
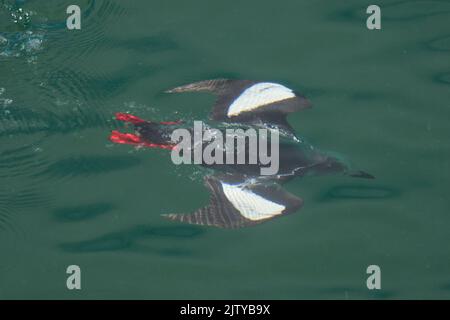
<point x="4" y="102"/>
<point x="18" y="44"/>
<point x="19" y="16"/>
<point x="22" y="39"/>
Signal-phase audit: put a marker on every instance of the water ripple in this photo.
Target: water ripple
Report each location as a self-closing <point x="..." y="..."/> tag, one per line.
<point x="26" y="121"/>
<point x="22" y="161"/>
<point x="441" y="43"/>
<point x="359" y="192"/>
<point x="128" y="240"/>
<point x="82" y="212"/>
<point x="442" y="78"/>
<point x="13" y="201"/>
<point x="97" y="17"/>
<point x="89" y="165"/>
<point x="397" y="11"/>
<point x="91" y="86"/>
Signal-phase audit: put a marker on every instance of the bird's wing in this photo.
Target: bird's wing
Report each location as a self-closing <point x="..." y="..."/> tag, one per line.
<point x="237" y="203"/>
<point x="246" y="101"/>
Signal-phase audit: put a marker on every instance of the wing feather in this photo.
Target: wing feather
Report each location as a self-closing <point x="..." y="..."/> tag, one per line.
<point x="236" y="205"/>
<point x="249" y="102"/>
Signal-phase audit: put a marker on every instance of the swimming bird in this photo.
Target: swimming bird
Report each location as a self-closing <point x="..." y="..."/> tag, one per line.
<point x="240" y="195"/>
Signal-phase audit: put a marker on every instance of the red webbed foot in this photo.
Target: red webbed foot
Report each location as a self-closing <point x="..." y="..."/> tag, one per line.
<point x="125" y="117"/>
<point x="130" y="138"/>
<point x="129" y="118"/>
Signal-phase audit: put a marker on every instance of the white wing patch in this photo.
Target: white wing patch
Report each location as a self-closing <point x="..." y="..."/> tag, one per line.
<point x="250" y="205"/>
<point x="259" y="95"/>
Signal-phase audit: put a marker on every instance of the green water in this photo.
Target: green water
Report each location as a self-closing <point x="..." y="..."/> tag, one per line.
<point x="68" y="196"/>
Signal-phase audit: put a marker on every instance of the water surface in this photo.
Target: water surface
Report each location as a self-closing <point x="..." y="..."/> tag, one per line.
<point x="68" y="196"/>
